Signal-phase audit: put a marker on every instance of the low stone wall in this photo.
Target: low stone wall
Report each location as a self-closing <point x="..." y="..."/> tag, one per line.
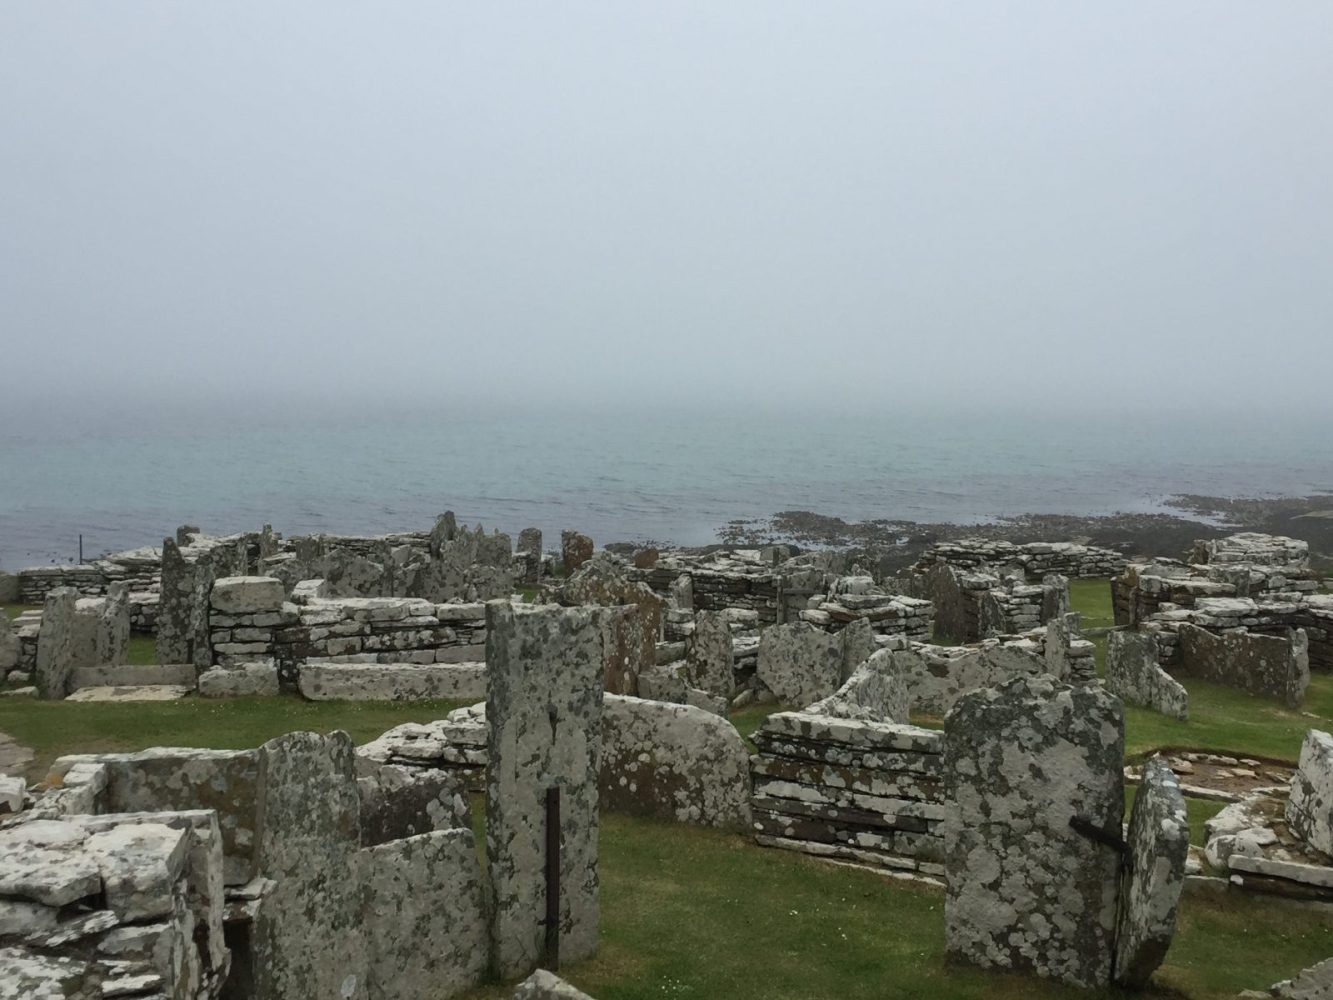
<point x="937" y="676"/>
<point x="868" y="792"/>
<point x="386" y="648"/>
<point x="1272" y="666"/>
<point x="1037" y="558"/>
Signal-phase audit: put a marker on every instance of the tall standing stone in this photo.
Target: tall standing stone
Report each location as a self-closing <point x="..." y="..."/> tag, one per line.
<point x="544" y="712"/>
<point x="1029" y="765"/>
<point x="1159" y="845"/>
<point x="575" y="550"/>
<point x="799" y="663"/>
<point x="307" y="939"/>
<point x="10" y="646"/>
<point x="175" y="602"/>
<point x="529" y="549"/>
<point x="56" y="641"/>
<point x="708" y="654"/>
<point x="113" y="626"/>
<point x="1134" y="672"/>
<point x="682" y="592"/>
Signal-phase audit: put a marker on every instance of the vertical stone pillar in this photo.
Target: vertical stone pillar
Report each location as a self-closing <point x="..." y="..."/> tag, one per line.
<point x="56" y="640"/>
<point x="530" y="551"/>
<point x="113" y="626"/>
<point x="575" y="550"/>
<point x="1033" y="769"/>
<point x="708" y="654"/>
<point x="544" y="713"/>
<point x="174" y="602"/>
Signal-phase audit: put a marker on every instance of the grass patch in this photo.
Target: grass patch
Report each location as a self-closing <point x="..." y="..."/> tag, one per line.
<point x="1092" y="599"/>
<point x="54" y="728"/>
<point x="695" y="913"/>
<point x="14" y="610"/>
<point x="1199" y="811"/>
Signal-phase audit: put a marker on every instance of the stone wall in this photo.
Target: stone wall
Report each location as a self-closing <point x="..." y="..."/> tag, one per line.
<point x="1310" y="806"/>
<point x="800" y="663"/>
<point x="1272" y="666"/>
<point x="937" y="676"/>
<point x="1036" y="558"/>
<point x="868" y="792"/>
<point x="1134" y="673"/>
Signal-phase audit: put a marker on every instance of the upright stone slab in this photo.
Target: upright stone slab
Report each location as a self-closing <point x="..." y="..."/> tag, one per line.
<point x="529" y="549"/>
<point x="800" y="663"/>
<point x="858" y="645"/>
<point x="874" y="693"/>
<point x="708" y="654"/>
<point x="1270" y="665"/>
<point x="575" y="550"/>
<point x="1061" y="633"/>
<point x="174" y="607"/>
<point x="1026" y="889"/>
<point x="10" y="646"/>
<point x="56" y="656"/>
<point x="422" y="916"/>
<point x="1310" y="805"/>
<point x="113" y="627"/>
<point x="1134" y="672"/>
<point x="1159" y="844"/>
<point x="682" y="592"/>
<point x="308" y="940"/>
<point x="601" y="582"/>
<point x="544" y="714"/>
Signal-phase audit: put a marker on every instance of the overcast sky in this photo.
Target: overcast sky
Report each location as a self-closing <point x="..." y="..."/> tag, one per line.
<point x="1044" y="201"/>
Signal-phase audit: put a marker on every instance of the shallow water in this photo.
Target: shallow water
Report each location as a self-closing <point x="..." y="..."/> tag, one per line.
<point x="614" y="473"/>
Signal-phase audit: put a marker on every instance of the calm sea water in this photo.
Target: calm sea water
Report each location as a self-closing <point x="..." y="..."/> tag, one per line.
<point x="618" y="474"/>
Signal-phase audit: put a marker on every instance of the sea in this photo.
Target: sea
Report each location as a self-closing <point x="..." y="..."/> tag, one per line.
<point x="618" y="472"/>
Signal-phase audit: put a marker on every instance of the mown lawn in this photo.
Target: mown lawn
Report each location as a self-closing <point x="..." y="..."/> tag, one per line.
<point x="695" y="913"/>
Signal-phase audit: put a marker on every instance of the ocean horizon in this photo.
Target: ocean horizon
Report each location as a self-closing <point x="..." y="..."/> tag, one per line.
<point x="616" y="472"/>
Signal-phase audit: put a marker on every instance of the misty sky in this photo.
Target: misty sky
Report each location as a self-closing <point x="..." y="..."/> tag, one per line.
<point x="846" y="200"/>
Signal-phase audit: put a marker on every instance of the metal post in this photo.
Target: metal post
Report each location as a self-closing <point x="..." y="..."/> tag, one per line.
<point x="80" y="549"/>
<point x="553" y="879"/>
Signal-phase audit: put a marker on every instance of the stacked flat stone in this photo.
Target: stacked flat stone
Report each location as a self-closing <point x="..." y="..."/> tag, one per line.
<point x="719" y="581"/>
<point x="456" y="743"/>
<point x="1253" y="547"/>
<point x="1037" y="558"/>
<point x="869" y="792"/>
<point x="887" y="614"/>
<point x="112" y="905"/>
<point x="1313" y="615"/>
<point x="937" y="676"/>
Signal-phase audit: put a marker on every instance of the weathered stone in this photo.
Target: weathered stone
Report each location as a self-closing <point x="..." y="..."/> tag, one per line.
<point x="1026" y="890"/>
<point x="174" y="606"/>
<point x="10" y="646"/>
<point x="799" y="663"/>
<point x="41" y="861"/>
<point x="56" y="658"/>
<point x="113" y="626"/>
<point x="575" y="550"/>
<point x="1314" y="983"/>
<point x="399" y="802"/>
<point x="708" y="664"/>
<point x="543" y="985"/>
<point x="140" y="864"/>
<point x="1159" y="843"/>
<point x="544" y="709"/>
<point x="682" y="593"/>
<point x="1134" y="673"/>
<point x="634" y="635"/>
<point x="937" y="676"/>
<point x="529" y="549"/>
<point x="673" y="762"/>
<point x="392" y="681"/>
<point x="873" y="693"/>
<point x="239" y="680"/>
<point x="1310" y="806"/>
<point x="247" y="595"/>
<point x="307" y="939"/>
<point x="12" y="791"/>
<point x="422" y="919"/>
<point x="1269" y="665"/>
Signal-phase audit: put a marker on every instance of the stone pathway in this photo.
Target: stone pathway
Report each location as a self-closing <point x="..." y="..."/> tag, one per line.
<point x="14" y="756"/>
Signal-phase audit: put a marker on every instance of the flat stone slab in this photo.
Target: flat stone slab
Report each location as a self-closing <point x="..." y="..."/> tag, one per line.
<point x="392" y="681"/>
<point x="132" y="692"/>
<point x="133" y="675"/>
<point x="14" y="756"/>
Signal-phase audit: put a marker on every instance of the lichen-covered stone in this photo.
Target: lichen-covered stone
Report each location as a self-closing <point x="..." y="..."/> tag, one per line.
<point x="1314" y="983"/>
<point x="575" y="550"/>
<point x="1159" y="843"/>
<point x="543" y="985"/>
<point x="634" y="634"/>
<point x="1026" y="891"/>
<point x="112" y="639"/>
<point x="240" y="680"/>
<point x="708" y="654"/>
<point x="874" y="693"/>
<point x="422" y="916"/>
<point x="937" y="676"/>
<point x="1310" y="806"/>
<point x="307" y="940"/>
<point x="673" y="762"/>
<point x="399" y="802"/>
<point x="10" y="646"/>
<point x="174" y="605"/>
<point x="1273" y="666"/>
<point x="800" y="663"/>
<point x="392" y="681"/>
<point x="56" y="655"/>
<point x="1134" y="673"/>
<point x="544" y="710"/>
<point x="247" y="595"/>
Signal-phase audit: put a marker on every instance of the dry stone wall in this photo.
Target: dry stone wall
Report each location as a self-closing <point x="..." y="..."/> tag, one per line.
<point x="1134" y="673"/>
<point x="869" y="792"/>
<point x="1273" y="666"/>
<point x="1310" y="807"/>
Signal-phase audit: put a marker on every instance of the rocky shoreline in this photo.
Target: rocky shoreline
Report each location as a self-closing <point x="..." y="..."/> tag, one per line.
<point x="1189" y="517"/>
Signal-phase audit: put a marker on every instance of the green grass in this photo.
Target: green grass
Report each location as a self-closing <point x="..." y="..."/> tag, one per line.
<point x="694" y="913"/>
<point x="14" y="610"/>
<point x="53" y="728"/>
<point x="1092" y="599"/>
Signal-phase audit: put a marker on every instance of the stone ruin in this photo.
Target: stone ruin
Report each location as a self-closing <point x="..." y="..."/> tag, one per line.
<point x="1038" y="878"/>
<point x="1134" y="673"/>
<point x="303" y="869"/>
<point x="82" y="641"/>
